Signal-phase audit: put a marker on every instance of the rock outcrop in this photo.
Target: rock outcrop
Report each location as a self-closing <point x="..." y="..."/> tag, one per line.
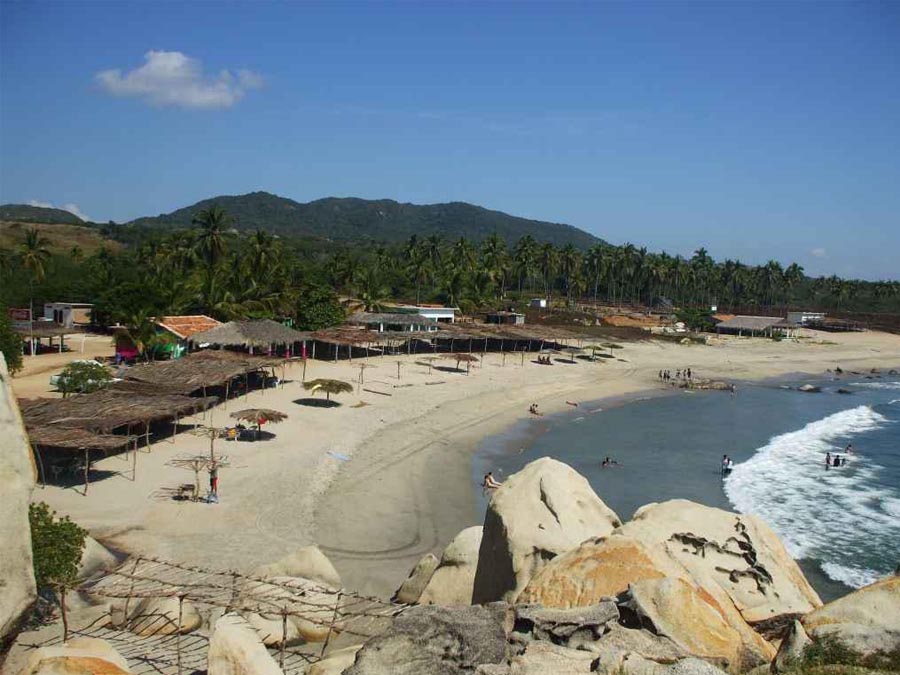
<point x="335" y="663"/>
<point x="308" y="563"/>
<point x="539" y="513"/>
<point x="17" y="588"/>
<point x="235" y="649"/>
<point x="411" y="589"/>
<point x="160" y="616"/>
<point x="695" y="622"/>
<point x="722" y="552"/>
<point x="452" y="582"/>
<point x="95" y="559"/>
<point x="79" y="656"/>
<point x="867" y="620"/>
<point x="434" y="640"/>
<point x="790" y="651"/>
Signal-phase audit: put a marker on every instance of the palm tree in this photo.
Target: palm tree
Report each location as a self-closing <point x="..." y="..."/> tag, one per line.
<point x="525" y="258"/>
<point x="596" y="264"/>
<point x="569" y="264"/>
<point x="548" y="258"/>
<point x="373" y="291"/>
<point x="494" y="261"/>
<point x="33" y="253"/>
<point x="463" y="254"/>
<point x="211" y="238"/>
<point x="433" y="251"/>
<point x="417" y="263"/>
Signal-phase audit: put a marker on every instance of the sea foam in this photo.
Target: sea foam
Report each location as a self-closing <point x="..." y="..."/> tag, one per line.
<point x="832" y="515"/>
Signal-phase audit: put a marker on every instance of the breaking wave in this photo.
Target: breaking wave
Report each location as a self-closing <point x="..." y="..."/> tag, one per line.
<point x="835" y="516"/>
<point x="877" y="385"/>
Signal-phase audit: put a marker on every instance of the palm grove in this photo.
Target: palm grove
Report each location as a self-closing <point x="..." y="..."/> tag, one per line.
<point x="213" y="269"/>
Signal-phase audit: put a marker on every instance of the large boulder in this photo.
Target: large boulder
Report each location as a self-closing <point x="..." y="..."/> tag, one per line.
<point x="95" y="558"/>
<point x="17" y="474"/>
<point x="867" y="620"/>
<point x="694" y="621"/>
<point x="723" y="552"/>
<point x="411" y="589"/>
<point x="160" y="616"/>
<point x="235" y="649"/>
<point x="435" y="640"/>
<point x="335" y="663"/>
<point x="308" y="563"/>
<point x="597" y="569"/>
<point x="542" y="658"/>
<point x="790" y="651"/>
<point x="452" y="581"/>
<point x="79" y="656"/>
<point x="540" y="512"/>
<point x="310" y="608"/>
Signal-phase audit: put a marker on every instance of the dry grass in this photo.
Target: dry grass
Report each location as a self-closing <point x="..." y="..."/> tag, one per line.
<point x="62" y="238"/>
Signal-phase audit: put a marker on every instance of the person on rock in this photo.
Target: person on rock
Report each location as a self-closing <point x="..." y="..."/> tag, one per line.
<point x="489" y="482"/>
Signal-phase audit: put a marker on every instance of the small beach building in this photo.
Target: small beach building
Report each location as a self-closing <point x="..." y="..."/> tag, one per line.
<point x="182" y="328"/>
<point x="768" y="326"/>
<point x="538" y="303"/>
<point x="438" y="313"/>
<point x="806" y="318"/>
<point x="393" y="321"/>
<point x="71" y="315"/>
<point x="505" y="318"/>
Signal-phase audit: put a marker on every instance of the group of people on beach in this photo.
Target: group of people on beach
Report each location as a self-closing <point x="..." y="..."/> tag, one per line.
<point x="680" y="374"/>
<point x="544" y="361"/>
<point x="837" y="460"/>
<point x="533" y="410"/>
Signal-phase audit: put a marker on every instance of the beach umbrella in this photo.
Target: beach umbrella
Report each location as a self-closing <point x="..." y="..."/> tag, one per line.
<point x="259" y="416"/>
<point x="460" y="357"/>
<point x="572" y="351"/>
<point x="430" y="361"/>
<point x="328" y="386"/>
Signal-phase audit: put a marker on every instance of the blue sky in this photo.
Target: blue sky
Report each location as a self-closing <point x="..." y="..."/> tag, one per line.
<point x="758" y="130"/>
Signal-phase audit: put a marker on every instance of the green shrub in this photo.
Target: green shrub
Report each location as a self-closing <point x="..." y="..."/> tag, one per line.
<point x="83" y="377"/>
<point x="56" y="544"/>
<point x="10" y="342"/>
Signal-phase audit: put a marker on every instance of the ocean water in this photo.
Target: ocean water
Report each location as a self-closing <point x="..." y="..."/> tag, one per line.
<point x="842" y="524"/>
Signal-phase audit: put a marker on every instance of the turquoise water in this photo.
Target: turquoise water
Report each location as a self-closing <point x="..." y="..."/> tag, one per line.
<point x="843" y="524"/>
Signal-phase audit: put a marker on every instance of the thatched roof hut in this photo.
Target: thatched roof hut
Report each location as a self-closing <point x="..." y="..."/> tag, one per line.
<point x="198" y="370"/>
<point x="261" y="333"/>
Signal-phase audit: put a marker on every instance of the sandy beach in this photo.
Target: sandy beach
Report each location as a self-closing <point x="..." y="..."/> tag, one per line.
<point x="385" y="477"/>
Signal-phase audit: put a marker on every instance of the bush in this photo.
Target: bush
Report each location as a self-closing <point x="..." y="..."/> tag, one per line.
<point x="56" y="544"/>
<point x="83" y="377"/>
<point x="10" y="342"/>
<point x="829" y="651"/>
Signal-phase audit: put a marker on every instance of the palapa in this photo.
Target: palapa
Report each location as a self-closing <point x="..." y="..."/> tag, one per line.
<point x="261" y="333"/>
<point x="259" y="416"/>
<point x="328" y="386"/>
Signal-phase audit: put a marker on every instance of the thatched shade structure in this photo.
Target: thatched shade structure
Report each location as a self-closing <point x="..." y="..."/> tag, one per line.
<point x="198" y="371"/>
<point x="460" y="357"/>
<point x="259" y="416"/>
<point x="259" y="333"/>
<point x="328" y="386"/>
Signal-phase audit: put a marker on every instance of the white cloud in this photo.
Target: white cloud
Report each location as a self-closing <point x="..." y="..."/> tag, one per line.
<point x="819" y="253"/>
<point x="172" y="78"/>
<point x="70" y="207"/>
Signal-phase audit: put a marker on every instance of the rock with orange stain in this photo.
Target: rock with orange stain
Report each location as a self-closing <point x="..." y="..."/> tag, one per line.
<point x="79" y="656"/>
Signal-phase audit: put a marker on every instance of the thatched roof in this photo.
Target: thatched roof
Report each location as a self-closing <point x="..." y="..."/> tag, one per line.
<point x="394" y="319"/>
<point x="255" y="333"/>
<point x="191" y="373"/>
<point x="43" y="329"/>
<point x="257" y="415"/>
<point x="108" y="409"/>
<point x="67" y="438"/>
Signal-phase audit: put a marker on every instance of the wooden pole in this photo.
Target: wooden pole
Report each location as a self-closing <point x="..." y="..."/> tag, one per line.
<point x="283" y="638"/>
<point x="178" y="632"/>
<point x="62" y="610"/>
<point x="304" y="370"/>
<point x="40" y="464"/>
<point x="87" y="462"/>
<point x="134" y="461"/>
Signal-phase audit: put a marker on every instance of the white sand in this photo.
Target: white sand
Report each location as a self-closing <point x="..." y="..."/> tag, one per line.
<point x="408" y="488"/>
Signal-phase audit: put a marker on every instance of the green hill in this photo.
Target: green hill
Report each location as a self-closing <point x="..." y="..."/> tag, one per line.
<point x="25" y="213"/>
<point x="385" y="220"/>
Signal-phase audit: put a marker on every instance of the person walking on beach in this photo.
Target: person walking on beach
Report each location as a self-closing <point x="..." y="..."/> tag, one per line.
<point x="689" y="373"/>
<point x="214" y="479"/>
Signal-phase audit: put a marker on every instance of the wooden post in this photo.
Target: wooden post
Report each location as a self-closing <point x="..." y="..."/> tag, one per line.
<point x="337" y="605"/>
<point x="178" y="632"/>
<point x="37" y="452"/>
<point x="63" y="612"/>
<point x="134" y="461"/>
<point x="304" y="370"/>
<point x="283" y="638"/>
<point x="87" y="463"/>
<point x="398" y="370"/>
<point x="246" y="385"/>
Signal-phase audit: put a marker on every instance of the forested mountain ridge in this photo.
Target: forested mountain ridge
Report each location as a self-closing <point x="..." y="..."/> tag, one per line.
<point x="383" y="220"/>
<point x="26" y="213"/>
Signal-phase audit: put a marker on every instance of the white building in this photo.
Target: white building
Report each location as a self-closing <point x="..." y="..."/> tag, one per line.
<point x="538" y="303"/>
<point x="69" y="314"/>
<point x="437" y="313"/>
<point x="805" y="318"/>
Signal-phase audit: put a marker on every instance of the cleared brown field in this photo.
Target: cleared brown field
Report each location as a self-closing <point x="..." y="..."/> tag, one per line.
<point x="62" y="238"/>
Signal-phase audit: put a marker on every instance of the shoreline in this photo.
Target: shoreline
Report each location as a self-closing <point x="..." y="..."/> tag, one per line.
<point x="451" y="487"/>
<point x="386" y="476"/>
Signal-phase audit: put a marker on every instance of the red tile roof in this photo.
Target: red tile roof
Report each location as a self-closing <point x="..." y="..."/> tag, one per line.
<point x="185" y="326"/>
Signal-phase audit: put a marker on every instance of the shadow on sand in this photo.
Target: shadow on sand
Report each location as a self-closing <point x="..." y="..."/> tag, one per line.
<point x="317" y="402"/>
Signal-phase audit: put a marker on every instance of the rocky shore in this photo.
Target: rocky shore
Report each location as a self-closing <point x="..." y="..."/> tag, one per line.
<point x="553" y="583"/>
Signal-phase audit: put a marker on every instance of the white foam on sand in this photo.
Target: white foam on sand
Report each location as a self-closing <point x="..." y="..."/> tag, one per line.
<point x="834" y="516"/>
